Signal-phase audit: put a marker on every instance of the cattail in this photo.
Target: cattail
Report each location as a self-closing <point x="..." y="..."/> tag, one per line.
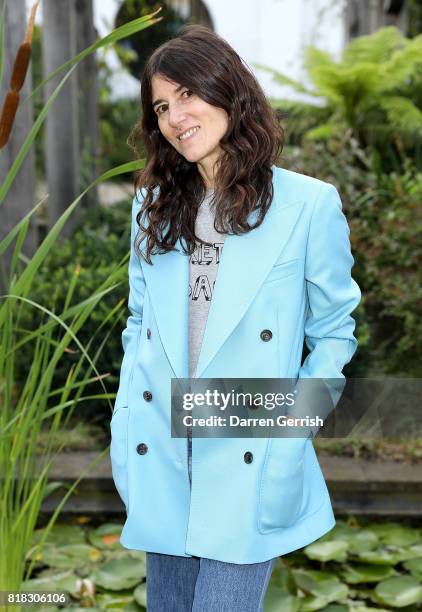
<point x="8" y="113"/>
<point x="20" y="68"/>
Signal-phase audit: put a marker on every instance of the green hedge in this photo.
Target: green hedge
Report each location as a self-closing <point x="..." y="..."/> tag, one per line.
<point x="383" y="210"/>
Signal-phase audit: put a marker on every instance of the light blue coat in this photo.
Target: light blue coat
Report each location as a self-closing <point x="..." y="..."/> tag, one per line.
<point x="291" y="275"/>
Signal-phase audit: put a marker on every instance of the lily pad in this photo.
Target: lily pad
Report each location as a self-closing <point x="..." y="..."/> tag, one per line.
<point x="335" y="550"/>
<point x="106" y="537"/>
<point x="279" y="600"/>
<point x="282" y="578"/>
<point x="140" y="594"/>
<point x="396" y="534"/>
<point x="416" y="550"/>
<point x="121" y="573"/>
<point x="306" y="580"/>
<point x="399" y="591"/>
<point x="60" y="535"/>
<point x="73" y="555"/>
<point x="364" y="540"/>
<point x="53" y="581"/>
<point x="321" y="585"/>
<point x="385" y="556"/>
<point x="355" y="574"/>
<point x="311" y="602"/>
<point x="117" y="601"/>
<point x="414" y="566"/>
<point x="137" y="554"/>
<point x="331" y="590"/>
<point x="359" y="539"/>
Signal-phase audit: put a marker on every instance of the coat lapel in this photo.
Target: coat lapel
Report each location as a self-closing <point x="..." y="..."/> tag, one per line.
<point x="167" y="281"/>
<point x="245" y="262"/>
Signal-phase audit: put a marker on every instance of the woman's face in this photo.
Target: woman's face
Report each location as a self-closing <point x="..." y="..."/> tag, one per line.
<point x="181" y="112"/>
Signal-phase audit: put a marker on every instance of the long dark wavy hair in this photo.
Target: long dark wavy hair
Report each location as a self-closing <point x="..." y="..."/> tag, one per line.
<point x="203" y="62"/>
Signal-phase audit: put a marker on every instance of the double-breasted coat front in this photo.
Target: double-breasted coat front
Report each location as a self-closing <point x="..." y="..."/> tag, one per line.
<point x="292" y="276"/>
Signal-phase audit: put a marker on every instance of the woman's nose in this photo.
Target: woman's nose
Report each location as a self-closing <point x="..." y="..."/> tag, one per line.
<point x="176" y="116"/>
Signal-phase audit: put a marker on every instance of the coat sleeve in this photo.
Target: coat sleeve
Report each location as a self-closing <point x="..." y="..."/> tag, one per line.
<point x="130" y="334"/>
<point x="332" y="296"/>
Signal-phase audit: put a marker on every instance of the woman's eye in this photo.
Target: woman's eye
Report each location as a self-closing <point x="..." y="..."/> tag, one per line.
<point x="161" y="109"/>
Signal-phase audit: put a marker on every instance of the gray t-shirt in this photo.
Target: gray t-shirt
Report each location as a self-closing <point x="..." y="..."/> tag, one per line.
<point x="203" y="267"/>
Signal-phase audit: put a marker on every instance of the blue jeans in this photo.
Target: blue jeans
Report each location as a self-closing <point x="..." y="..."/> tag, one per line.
<point x="194" y="584"/>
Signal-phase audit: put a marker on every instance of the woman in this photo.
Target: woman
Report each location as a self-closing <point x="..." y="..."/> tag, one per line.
<point x="214" y="513"/>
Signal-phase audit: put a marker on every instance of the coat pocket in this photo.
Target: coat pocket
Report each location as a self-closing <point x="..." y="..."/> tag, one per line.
<point x="119" y="452"/>
<point x="281" y="486"/>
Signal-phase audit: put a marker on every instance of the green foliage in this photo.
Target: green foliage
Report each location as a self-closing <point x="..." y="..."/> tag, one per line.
<point x="117" y="117"/>
<point x="36" y="402"/>
<point x="94" y="251"/>
<point x="151" y="39"/>
<point x="328" y="574"/>
<point x="375" y="89"/>
<point x="383" y="211"/>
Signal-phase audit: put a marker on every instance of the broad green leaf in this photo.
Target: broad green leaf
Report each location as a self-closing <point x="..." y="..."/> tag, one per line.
<point x="399" y="591"/>
<point x="106" y="537"/>
<point x="116" y="601"/>
<point x="60" y="535"/>
<point x="358" y="539"/>
<point x="71" y="555"/>
<point x="122" y="573"/>
<point x="53" y="581"/>
<point x="307" y="580"/>
<point x="140" y="594"/>
<point x="386" y="556"/>
<point x="414" y="566"/>
<point x="327" y="551"/>
<point x="397" y="534"/>
<point x="282" y="577"/>
<point x="310" y="603"/>
<point x="321" y="588"/>
<point x="354" y="574"/>
<point x="331" y="590"/>
<point x="416" y="550"/>
<point x="279" y="600"/>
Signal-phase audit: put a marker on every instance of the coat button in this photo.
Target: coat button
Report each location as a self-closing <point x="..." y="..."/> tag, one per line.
<point x="142" y="449"/>
<point x="147" y="396"/>
<point x="248" y="457"/>
<point x="148" y="333"/>
<point x="266" y="335"/>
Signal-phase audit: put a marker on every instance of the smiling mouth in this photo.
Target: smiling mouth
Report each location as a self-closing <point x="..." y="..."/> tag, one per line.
<point x="188" y="134"/>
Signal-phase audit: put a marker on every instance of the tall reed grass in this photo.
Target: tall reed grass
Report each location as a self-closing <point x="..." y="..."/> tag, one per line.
<point x="25" y="410"/>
